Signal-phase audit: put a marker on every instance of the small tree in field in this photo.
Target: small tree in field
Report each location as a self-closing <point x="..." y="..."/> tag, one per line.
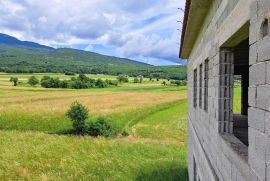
<point x="33" y="81"/>
<point x="136" y="80"/>
<point x="141" y="79"/>
<point x="164" y="83"/>
<point x="122" y="79"/>
<point x="77" y="113"/>
<point x="14" y="80"/>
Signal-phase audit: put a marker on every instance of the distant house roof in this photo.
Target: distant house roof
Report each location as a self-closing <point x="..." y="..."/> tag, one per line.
<point x="195" y="13"/>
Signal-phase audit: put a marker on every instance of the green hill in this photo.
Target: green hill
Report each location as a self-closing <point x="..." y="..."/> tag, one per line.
<point x="20" y="59"/>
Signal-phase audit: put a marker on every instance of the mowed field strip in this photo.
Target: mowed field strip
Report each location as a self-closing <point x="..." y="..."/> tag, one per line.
<point x="99" y="103"/>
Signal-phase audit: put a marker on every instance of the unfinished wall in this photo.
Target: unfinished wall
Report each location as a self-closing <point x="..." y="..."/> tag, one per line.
<point x="212" y="150"/>
<point x="259" y="90"/>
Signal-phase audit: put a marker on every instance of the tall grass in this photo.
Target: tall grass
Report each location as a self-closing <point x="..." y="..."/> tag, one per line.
<point x="169" y="124"/>
<point x="37" y="156"/>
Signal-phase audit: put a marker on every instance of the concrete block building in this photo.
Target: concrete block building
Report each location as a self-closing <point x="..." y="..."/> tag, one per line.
<point x="224" y="39"/>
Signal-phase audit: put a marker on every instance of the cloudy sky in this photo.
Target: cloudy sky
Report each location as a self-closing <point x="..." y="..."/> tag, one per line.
<point x="144" y="30"/>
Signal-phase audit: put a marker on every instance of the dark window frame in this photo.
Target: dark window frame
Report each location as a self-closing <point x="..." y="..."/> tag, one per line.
<point x="195" y="172"/>
<point x="200" y="84"/>
<point x="206" y="84"/>
<point x="195" y="88"/>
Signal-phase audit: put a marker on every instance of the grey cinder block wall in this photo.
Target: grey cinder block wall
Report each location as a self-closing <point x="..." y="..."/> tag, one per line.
<point x="221" y="39"/>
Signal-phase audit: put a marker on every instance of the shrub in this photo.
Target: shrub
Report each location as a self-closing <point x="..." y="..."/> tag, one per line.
<point x="78" y="84"/>
<point x="83" y="78"/>
<point x="63" y="84"/>
<point x="33" y="81"/>
<point x="14" y="80"/>
<point x="49" y="82"/>
<point x="141" y="79"/>
<point x="101" y="84"/>
<point x="179" y="83"/>
<point x="122" y="79"/>
<point x="112" y="82"/>
<point x="184" y="82"/>
<point x="164" y="83"/>
<point x="136" y="80"/>
<point x="100" y="128"/>
<point x="77" y="114"/>
<point x="70" y="73"/>
<point x="125" y="133"/>
<point x="45" y="82"/>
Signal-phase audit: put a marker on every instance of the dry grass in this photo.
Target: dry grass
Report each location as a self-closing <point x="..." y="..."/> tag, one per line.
<point x="98" y="103"/>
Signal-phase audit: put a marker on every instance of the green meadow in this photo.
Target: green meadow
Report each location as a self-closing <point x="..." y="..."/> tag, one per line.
<point x="237" y="99"/>
<point x="32" y="120"/>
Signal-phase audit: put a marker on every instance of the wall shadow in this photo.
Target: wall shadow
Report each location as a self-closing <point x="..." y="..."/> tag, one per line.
<point x="164" y="172"/>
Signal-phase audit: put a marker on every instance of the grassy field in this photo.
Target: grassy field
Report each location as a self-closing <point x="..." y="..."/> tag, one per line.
<point x="237" y="99"/>
<point x="33" y="148"/>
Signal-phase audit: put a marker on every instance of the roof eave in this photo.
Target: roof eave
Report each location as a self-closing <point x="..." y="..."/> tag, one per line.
<point x="195" y="14"/>
<point x="186" y="13"/>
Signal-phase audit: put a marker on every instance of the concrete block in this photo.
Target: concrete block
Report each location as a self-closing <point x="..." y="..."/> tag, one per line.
<point x="253" y="34"/>
<point x="267" y="123"/>
<point x="263" y="7"/>
<point x="234" y="173"/>
<point x="213" y="51"/>
<point x="268" y="171"/>
<point x="258" y="165"/>
<point x="267" y="151"/>
<point x="257" y="74"/>
<point x="260" y="145"/>
<point x="227" y="166"/>
<point x="216" y="70"/>
<point x="268" y="72"/>
<point x="264" y="49"/>
<point x="251" y="139"/>
<point x="240" y="178"/>
<point x="263" y="97"/>
<point x="216" y="81"/>
<point x="253" y="30"/>
<point x="256" y="119"/>
<point x="252" y="96"/>
<point x="210" y="73"/>
<point x="253" y="54"/>
<point x="216" y="60"/>
<point x="254" y="176"/>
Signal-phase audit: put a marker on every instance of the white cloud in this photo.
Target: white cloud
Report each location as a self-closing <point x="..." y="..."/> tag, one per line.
<point x="89" y="48"/>
<point x="126" y="25"/>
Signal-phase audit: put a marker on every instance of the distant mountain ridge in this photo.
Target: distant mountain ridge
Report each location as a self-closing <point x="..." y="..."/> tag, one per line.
<point x="12" y="41"/>
<point x="25" y="57"/>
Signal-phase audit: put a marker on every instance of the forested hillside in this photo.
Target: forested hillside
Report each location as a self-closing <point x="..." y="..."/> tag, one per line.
<point x="21" y="59"/>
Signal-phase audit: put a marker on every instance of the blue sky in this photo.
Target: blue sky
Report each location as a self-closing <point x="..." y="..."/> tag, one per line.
<point x="142" y="30"/>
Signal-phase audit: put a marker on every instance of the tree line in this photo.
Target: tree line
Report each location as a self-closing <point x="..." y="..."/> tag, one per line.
<point x="84" y="82"/>
<point x="161" y="72"/>
<point x="80" y="82"/>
